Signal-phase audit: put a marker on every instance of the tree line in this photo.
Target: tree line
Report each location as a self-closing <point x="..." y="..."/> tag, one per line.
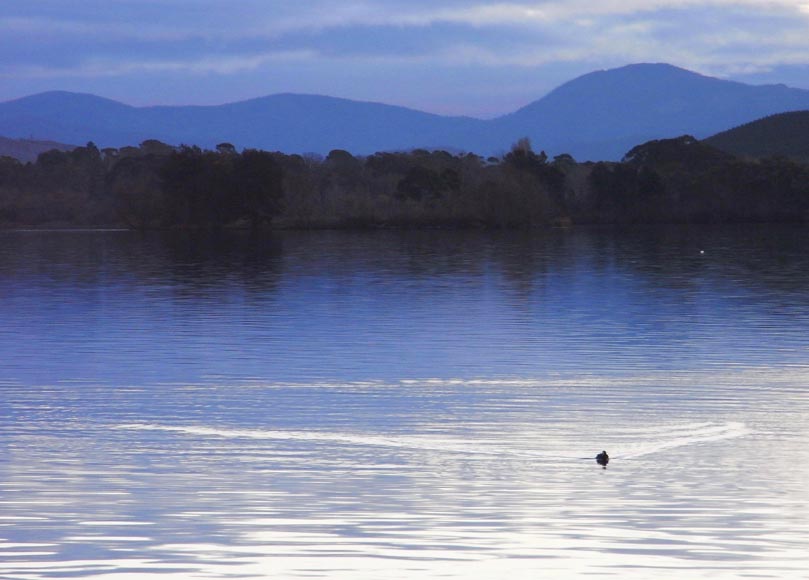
<point x="156" y="185"/>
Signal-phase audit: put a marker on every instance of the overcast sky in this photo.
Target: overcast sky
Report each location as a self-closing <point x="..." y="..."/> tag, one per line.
<point x="444" y="56"/>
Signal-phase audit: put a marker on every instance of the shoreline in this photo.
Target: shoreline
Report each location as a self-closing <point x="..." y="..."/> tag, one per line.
<point x="401" y="228"/>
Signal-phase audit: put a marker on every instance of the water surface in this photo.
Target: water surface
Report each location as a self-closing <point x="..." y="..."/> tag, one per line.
<point x="405" y="404"/>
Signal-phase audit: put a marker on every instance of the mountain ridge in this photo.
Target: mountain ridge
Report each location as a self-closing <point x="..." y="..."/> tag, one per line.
<point x="598" y="116"/>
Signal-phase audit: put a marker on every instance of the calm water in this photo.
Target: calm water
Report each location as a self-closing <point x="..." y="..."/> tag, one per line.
<point x="405" y="405"/>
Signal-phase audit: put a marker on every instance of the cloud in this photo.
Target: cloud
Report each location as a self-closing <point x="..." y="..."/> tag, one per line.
<point x="509" y="14"/>
<point x="387" y="40"/>
<point x="100" y="67"/>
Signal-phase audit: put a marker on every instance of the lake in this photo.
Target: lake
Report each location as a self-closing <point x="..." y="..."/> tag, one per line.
<point x="428" y="404"/>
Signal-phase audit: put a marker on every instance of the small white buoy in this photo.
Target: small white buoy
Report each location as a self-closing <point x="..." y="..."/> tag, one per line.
<point x="702" y="251"/>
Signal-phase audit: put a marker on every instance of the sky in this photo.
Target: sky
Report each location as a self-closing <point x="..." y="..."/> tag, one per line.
<point x="473" y="58"/>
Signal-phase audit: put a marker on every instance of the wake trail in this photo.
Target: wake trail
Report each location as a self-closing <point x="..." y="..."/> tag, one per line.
<point x="405" y="442"/>
<point x="623" y="445"/>
<point x="680" y="437"/>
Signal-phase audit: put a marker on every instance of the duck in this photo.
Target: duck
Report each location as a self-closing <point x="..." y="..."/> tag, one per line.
<point x="603" y="459"/>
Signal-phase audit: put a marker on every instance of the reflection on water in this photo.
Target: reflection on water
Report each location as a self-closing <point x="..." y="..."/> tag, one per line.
<point x="405" y="405"/>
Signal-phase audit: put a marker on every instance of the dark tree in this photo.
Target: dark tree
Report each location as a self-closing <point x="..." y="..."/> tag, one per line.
<point x="258" y="182"/>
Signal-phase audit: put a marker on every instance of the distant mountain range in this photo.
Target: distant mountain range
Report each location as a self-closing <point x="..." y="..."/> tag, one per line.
<point x="785" y="134"/>
<point x="598" y="116"/>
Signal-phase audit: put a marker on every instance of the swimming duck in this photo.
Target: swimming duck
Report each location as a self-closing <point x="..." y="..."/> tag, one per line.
<point x="603" y="459"/>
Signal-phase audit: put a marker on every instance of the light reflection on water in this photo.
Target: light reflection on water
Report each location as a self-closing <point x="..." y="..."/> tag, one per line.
<point x="231" y="407"/>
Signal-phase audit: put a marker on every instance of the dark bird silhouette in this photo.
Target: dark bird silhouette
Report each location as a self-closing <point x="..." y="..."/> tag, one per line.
<point x="603" y="459"/>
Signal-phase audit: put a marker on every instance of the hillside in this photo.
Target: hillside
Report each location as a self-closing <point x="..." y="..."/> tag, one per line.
<point x="27" y="150"/>
<point x="72" y="118"/>
<point x="603" y="114"/>
<point x="598" y="116"/>
<point x="785" y="134"/>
